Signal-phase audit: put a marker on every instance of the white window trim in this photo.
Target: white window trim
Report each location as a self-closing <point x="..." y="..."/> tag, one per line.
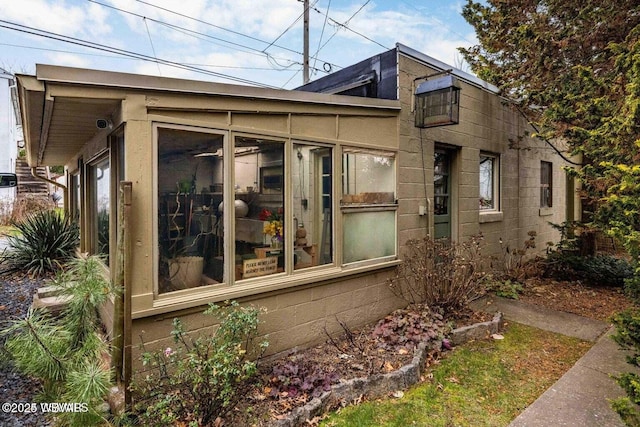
<point x="494" y="213"/>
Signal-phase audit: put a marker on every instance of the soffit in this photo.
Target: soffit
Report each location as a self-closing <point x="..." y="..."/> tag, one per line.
<point x="56" y="128"/>
<point x="73" y="123"/>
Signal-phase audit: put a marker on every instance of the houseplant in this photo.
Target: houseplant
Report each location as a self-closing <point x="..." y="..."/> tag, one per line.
<point x="184" y="257"/>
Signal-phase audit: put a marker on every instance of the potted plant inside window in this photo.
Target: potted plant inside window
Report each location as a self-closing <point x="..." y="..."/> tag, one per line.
<point x="183" y="250"/>
<point x="273" y="226"/>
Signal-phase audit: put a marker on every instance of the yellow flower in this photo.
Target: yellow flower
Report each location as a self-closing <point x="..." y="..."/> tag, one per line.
<point x="273" y="228"/>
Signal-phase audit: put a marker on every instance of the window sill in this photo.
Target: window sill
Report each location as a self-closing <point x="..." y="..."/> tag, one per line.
<point x="493" y="216"/>
<point x="545" y="211"/>
<point x="196" y="297"/>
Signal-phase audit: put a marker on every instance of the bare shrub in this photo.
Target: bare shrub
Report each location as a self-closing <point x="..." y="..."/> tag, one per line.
<point x="440" y="273"/>
<point x="517" y="264"/>
<point x="6" y="209"/>
<point x="12" y="211"/>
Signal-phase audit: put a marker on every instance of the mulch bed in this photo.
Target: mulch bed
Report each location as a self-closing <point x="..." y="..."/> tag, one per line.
<point x="595" y="302"/>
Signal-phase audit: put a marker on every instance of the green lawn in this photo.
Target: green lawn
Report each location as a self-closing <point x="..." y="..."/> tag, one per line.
<point x="7" y="230"/>
<point x="482" y="383"/>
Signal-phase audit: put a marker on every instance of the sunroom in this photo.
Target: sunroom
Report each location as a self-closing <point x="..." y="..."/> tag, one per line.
<point x="208" y="192"/>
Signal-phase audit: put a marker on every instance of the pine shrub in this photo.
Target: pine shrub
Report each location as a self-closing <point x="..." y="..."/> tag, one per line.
<point x="66" y="352"/>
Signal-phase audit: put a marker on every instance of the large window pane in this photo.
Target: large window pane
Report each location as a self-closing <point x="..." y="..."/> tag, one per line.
<point x="369" y="235"/>
<point x="190" y="226"/>
<point x="101" y="203"/>
<point x="259" y="207"/>
<point x="312" y="174"/>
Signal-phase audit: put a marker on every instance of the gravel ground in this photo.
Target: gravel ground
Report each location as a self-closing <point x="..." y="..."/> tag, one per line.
<point x="16" y="294"/>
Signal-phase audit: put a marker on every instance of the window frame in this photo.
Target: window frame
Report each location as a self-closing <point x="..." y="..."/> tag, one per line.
<point x="91" y="208"/>
<point x="231" y="287"/>
<point x="546" y="200"/>
<point x="495" y="182"/>
<point x="351" y="208"/>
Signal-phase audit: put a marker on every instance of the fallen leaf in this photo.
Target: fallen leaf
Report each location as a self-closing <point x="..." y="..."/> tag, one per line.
<point x="313" y="421"/>
<point x="403" y="351"/>
<point x="398" y="394"/>
<point x="388" y="367"/>
<point x="453" y="380"/>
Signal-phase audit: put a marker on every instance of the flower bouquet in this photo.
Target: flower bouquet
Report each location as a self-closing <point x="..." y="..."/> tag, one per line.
<point x="273" y="226"/>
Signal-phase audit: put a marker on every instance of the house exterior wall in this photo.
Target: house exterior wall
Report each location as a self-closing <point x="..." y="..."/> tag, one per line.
<point x="301" y="304"/>
<point x="487" y="124"/>
<point x="299" y="308"/>
<point x="294" y="319"/>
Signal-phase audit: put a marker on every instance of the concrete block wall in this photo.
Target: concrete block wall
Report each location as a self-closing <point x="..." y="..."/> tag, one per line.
<point x="487" y="124"/>
<point x="296" y="318"/>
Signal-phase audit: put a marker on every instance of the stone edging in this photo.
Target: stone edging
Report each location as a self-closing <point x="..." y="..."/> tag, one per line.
<point x="383" y="384"/>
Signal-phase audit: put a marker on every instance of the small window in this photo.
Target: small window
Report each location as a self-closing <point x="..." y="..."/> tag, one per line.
<point x="489" y="178"/>
<point x="8" y="180"/>
<point x="546" y="184"/>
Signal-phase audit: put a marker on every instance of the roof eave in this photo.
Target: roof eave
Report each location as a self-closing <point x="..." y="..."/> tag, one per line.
<point x="441" y="66"/>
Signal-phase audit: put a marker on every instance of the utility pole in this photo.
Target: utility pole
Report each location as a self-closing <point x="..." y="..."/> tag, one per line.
<point x="305" y="51"/>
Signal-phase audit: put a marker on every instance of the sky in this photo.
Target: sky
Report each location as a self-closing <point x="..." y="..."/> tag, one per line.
<point x="253" y="42"/>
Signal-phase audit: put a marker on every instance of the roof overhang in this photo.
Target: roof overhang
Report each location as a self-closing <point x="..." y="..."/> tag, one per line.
<point x="57" y="127"/>
<point x="60" y="105"/>
<point x="441" y="66"/>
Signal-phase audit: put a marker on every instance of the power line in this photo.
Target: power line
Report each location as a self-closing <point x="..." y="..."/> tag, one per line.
<point x="218" y="27"/>
<point x="345" y="25"/>
<point x="289" y="27"/>
<point x="193" y="33"/>
<point x="72" y="40"/>
<point x="326" y="17"/>
<point x="133" y="59"/>
<point x="153" y="49"/>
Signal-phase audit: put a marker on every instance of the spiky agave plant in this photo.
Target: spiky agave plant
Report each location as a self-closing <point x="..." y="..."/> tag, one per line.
<point x="45" y="241"/>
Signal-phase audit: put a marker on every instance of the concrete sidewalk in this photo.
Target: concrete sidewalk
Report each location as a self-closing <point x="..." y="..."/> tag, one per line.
<point x="581" y="396"/>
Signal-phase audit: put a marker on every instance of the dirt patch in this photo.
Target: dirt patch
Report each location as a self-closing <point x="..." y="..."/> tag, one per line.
<point x="595" y="302"/>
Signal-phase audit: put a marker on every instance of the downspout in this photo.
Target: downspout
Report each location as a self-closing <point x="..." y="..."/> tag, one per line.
<point x="52" y="182"/>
